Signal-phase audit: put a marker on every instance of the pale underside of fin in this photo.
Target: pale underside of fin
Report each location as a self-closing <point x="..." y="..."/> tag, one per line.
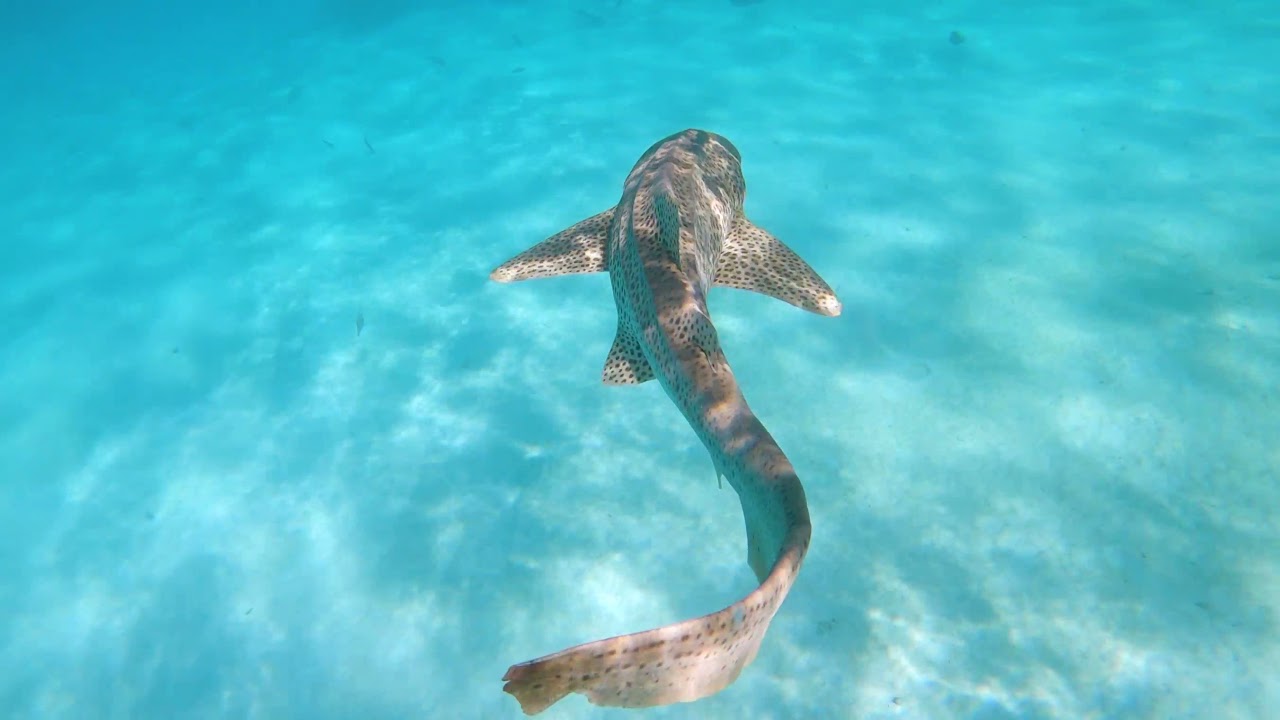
<point x="752" y="259"/>
<point x="626" y="364"/>
<point x="577" y="249"/>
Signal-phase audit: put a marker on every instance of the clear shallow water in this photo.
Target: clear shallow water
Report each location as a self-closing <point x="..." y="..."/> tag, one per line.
<point x="1039" y="445"/>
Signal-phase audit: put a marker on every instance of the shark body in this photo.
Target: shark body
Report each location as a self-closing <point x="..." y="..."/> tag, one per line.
<point x="678" y="230"/>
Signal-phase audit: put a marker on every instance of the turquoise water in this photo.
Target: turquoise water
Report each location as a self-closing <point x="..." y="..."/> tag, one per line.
<point x="1040" y="445"/>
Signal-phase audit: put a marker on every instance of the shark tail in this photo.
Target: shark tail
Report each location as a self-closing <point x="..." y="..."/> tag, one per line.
<point x="681" y="662"/>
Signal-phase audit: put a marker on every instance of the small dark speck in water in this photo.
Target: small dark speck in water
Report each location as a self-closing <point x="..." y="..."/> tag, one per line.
<point x="956" y="37"/>
<point x="368" y="146"/>
<point x="517" y="71"/>
<point x="1274" y="276"/>
<point x="174" y="351"/>
<point x="151" y="516"/>
<point x="250" y="610"/>
<point x="359" y="323"/>
<point x="919" y="370"/>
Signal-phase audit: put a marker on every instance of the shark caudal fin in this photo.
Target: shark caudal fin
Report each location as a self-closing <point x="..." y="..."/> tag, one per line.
<point x="676" y="663"/>
<point x="695" y="658"/>
<point x="579" y="248"/>
<point x="752" y="259"/>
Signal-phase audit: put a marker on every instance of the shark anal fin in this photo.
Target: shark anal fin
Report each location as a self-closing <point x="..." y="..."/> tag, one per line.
<point x="577" y="249"/>
<point x="626" y="364"/>
<point x="752" y="259"/>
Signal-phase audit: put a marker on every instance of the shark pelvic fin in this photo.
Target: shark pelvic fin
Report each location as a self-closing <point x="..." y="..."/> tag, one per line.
<point x="579" y="248"/>
<point x="752" y="259"/>
<point x="626" y="364"/>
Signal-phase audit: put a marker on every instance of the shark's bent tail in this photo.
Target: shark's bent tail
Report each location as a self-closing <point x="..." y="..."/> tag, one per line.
<point x="696" y="658"/>
<point x="681" y="662"/>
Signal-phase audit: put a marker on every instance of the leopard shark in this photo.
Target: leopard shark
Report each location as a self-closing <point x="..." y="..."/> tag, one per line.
<point x="679" y="230"/>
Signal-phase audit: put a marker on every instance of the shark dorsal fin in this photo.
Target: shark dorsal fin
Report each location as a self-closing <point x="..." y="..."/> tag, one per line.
<point x="626" y="364"/>
<point x="667" y="216"/>
<point x="577" y="249"/>
<point x="752" y="259"/>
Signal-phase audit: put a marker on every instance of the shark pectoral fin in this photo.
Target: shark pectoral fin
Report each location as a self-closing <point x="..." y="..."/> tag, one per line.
<point x="752" y="259"/>
<point x="626" y="364"/>
<point x="579" y="248"/>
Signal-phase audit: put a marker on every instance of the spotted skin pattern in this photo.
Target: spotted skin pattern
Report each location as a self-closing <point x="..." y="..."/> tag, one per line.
<point x="678" y="230"/>
<point x="577" y="249"/>
<point x="626" y="364"/>
<point x="752" y="259"/>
